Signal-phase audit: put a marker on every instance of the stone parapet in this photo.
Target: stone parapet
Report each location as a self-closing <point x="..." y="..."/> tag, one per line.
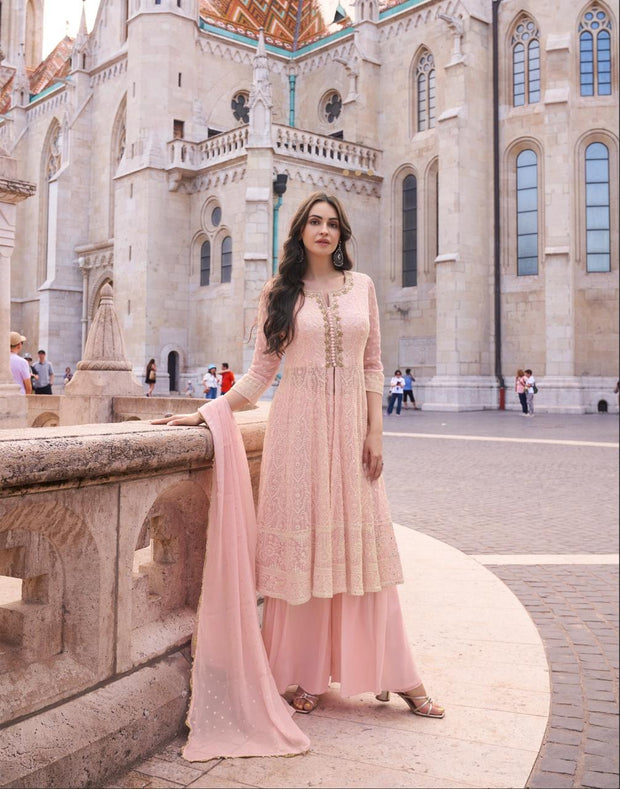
<point x="102" y="542"/>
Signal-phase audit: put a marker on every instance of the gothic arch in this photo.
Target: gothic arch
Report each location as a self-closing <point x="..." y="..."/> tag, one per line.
<point x="514" y="37"/>
<point x="50" y="165"/>
<point x="398" y="179"/>
<point x="422" y="53"/>
<point x="117" y="150"/>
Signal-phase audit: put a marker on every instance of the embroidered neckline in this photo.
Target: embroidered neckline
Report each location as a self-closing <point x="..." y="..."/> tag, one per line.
<point x="344" y="288"/>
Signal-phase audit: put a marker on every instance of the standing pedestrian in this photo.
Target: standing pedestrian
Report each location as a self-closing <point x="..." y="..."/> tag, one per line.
<point x="396" y="392"/>
<point x="44" y="375"/>
<point x="189" y="389"/>
<point x="227" y="378"/>
<point x="531" y="389"/>
<point x="150" y="379"/>
<point x="520" y="389"/>
<point x="20" y="369"/>
<point x="210" y="383"/>
<point x="408" y="390"/>
<point x="326" y="557"/>
<point x="68" y="375"/>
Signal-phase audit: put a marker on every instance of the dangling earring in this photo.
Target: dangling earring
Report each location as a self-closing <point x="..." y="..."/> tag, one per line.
<point x="338" y="256"/>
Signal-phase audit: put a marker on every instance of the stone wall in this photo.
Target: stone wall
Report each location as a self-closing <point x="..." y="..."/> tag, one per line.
<point x="102" y="542"/>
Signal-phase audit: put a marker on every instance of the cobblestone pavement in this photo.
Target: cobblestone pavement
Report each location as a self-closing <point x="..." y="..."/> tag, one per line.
<point x="498" y="483"/>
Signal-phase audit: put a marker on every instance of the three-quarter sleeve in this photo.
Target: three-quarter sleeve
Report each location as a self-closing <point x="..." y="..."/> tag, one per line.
<point x="264" y="365"/>
<point x="373" y="368"/>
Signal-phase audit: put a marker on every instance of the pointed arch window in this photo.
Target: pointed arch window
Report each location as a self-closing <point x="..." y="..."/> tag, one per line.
<point x="525" y="63"/>
<point x="227" y="259"/>
<point x="595" y="52"/>
<point x="205" y="263"/>
<point x="426" y="92"/>
<point x="598" y="230"/>
<point x="410" y="231"/>
<point x="527" y="213"/>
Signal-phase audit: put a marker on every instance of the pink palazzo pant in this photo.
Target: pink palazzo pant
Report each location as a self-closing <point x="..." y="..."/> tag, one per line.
<point x="356" y="640"/>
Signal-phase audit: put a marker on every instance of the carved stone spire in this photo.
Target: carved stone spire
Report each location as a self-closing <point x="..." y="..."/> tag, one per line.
<point x="21" y="83"/>
<point x="80" y="45"/>
<point x="260" y="102"/>
<point x="105" y="346"/>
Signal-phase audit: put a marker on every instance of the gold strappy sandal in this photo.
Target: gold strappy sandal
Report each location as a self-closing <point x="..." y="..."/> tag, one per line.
<point x="425" y="709"/>
<point x="304" y="702"/>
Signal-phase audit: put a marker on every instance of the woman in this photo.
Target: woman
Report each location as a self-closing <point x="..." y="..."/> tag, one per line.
<point x="151" y="376"/>
<point x="210" y="383"/>
<point x="520" y="389"/>
<point x="327" y="562"/>
<point x="396" y="392"/>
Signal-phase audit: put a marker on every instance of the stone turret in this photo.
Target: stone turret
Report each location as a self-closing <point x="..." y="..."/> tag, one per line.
<point x="104" y="372"/>
<point x="260" y="99"/>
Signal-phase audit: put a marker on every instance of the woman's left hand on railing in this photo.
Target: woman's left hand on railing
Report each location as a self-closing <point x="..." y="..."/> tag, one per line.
<point x="192" y="419"/>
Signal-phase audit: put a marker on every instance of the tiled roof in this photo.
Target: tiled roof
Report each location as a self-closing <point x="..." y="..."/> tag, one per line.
<point x="56" y="64"/>
<point x="278" y="19"/>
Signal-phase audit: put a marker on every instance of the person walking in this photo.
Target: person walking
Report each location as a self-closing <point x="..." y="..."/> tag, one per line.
<point x="150" y="379"/>
<point x="327" y="562"/>
<point x="210" y="382"/>
<point x="20" y="369"/>
<point x="530" y="390"/>
<point x="44" y="375"/>
<point x="408" y="390"/>
<point x="520" y="389"/>
<point x="397" y="383"/>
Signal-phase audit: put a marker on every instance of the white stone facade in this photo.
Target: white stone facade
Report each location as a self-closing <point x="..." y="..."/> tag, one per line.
<point x="128" y="178"/>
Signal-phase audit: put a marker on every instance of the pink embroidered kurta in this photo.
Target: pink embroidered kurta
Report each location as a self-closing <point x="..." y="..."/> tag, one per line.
<point x="323" y="527"/>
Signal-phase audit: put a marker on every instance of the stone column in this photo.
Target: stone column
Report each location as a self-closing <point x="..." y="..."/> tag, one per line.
<point x="259" y="194"/>
<point x="13" y="405"/>
<point x="464" y="377"/>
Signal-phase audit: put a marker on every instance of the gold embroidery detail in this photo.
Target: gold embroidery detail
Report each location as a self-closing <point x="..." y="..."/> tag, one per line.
<point x="331" y="320"/>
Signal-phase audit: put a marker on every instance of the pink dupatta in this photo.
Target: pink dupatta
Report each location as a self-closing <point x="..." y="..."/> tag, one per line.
<point x="235" y="708"/>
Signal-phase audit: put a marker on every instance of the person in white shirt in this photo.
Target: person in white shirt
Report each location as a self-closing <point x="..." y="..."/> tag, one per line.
<point x="396" y="393"/>
<point x="530" y="383"/>
<point x="210" y="383"/>
<point x="20" y="369"/>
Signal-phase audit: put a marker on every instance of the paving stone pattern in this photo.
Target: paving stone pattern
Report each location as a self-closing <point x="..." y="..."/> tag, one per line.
<point x="506" y="497"/>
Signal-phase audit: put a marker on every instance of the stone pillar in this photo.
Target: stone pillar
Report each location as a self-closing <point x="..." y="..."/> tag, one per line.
<point x="464" y="377"/>
<point x="563" y="391"/>
<point x="13" y="405"/>
<point x="258" y="196"/>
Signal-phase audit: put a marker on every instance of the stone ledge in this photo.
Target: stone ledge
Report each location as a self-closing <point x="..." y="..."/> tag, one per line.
<point x="56" y="455"/>
<point x="85" y="740"/>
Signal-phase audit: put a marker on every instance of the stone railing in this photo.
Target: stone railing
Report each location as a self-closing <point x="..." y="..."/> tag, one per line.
<point x="195" y="156"/>
<point x="102" y="543"/>
<point x="322" y="150"/>
<point x="287" y="141"/>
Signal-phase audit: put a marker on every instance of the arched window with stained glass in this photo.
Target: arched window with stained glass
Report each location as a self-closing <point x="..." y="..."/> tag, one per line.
<point x="426" y="93"/>
<point x="410" y="231"/>
<point x="525" y="44"/>
<point x="205" y="263"/>
<point x="527" y="213"/>
<point x="227" y="259"/>
<point x="598" y="215"/>
<point x="595" y="52"/>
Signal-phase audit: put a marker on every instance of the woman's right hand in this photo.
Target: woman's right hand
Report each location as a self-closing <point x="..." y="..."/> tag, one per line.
<point x="194" y="419"/>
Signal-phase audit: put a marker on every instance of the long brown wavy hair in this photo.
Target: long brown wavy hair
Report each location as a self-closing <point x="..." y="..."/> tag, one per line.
<point x="287" y="290"/>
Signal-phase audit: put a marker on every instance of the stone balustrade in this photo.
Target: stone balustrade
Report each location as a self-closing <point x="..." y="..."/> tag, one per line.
<point x="102" y="544"/>
<point x="321" y="149"/>
<point x="195" y="156"/>
<point x="287" y="141"/>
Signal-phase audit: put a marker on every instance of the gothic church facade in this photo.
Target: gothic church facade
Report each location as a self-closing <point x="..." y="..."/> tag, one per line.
<point x="473" y="143"/>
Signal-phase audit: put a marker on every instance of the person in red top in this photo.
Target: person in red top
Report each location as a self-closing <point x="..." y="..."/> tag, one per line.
<point x="228" y="378"/>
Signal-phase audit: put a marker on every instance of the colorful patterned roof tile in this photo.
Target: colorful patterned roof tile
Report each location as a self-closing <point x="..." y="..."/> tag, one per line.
<point x="284" y="22"/>
<point x="56" y="65"/>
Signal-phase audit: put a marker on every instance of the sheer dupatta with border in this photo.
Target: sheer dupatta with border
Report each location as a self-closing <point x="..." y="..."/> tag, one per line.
<point x="235" y="708"/>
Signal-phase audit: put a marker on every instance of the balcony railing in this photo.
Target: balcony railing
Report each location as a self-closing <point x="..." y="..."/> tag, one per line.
<point x="310" y="147"/>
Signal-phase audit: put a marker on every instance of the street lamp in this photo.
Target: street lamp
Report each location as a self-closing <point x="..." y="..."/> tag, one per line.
<point x="279" y="188"/>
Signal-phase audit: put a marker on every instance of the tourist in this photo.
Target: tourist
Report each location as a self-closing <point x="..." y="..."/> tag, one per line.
<point x="44" y="375"/>
<point x="20" y="369"/>
<point x="150" y="379"/>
